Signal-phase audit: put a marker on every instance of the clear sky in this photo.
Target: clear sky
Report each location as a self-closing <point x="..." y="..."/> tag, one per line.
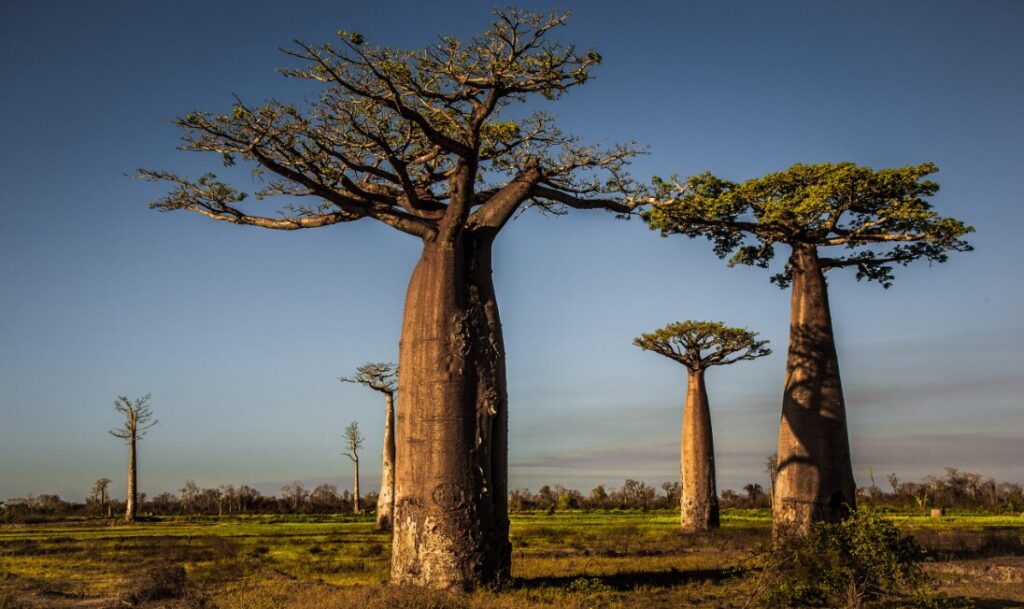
<point x="240" y="333"/>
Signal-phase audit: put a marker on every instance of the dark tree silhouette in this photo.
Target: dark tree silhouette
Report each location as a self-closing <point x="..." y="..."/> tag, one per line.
<point x="415" y="139"/>
<point x="138" y="419"/>
<point x="383" y="378"/>
<point x="879" y="219"/>
<point x="698" y="345"/>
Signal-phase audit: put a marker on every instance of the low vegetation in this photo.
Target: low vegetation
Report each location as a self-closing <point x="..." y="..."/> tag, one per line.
<point x="564" y="558"/>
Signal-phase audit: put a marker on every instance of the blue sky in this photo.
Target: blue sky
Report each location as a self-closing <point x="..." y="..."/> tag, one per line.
<point x="240" y="334"/>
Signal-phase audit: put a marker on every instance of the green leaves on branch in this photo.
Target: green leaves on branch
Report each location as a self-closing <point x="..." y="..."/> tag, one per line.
<point x="701" y="344"/>
<point x="863" y="561"/>
<point x="205" y="194"/>
<point x="881" y="216"/>
<point x="354" y="37"/>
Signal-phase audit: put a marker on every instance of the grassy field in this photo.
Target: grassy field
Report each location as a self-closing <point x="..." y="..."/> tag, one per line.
<point x="566" y="560"/>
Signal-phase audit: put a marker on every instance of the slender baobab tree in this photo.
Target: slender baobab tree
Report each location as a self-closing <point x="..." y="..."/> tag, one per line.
<point x="698" y="345"/>
<point x="416" y="139"/>
<point x="353" y="442"/>
<point x="99" y="492"/>
<point x="383" y="378"/>
<point x="138" y="419"/>
<point x="878" y="219"/>
<point x="771" y="467"/>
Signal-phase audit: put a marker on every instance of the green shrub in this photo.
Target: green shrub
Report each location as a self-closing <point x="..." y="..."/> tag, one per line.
<point x="861" y="562"/>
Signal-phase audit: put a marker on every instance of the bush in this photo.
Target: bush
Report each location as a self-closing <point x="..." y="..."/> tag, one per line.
<point x="158" y="582"/>
<point x="861" y="562"/>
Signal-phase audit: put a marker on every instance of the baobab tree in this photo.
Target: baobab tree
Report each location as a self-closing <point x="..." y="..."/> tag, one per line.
<point x="99" y="492"/>
<point x="877" y="219"/>
<point x="416" y="139"/>
<point x="383" y="378"/>
<point x="353" y="442"/>
<point x="698" y="345"/>
<point x="771" y="467"/>
<point x="138" y="419"/>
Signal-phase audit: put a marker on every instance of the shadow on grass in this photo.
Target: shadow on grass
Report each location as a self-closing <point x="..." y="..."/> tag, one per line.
<point x="973" y="602"/>
<point x="631" y="580"/>
<point x="965" y="545"/>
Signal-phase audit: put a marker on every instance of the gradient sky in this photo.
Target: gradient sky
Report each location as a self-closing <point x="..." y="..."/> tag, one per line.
<point x="240" y="333"/>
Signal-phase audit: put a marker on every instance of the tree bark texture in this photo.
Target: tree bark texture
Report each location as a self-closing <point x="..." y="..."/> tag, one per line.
<point x="815" y="476"/>
<point x="451" y="511"/>
<point x="699" y="498"/>
<point x="131" y="507"/>
<point x="386" y="498"/>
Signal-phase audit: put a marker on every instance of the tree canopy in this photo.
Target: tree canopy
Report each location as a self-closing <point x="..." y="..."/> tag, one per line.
<point x="353" y="441"/>
<point x="138" y="418"/>
<point x="701" y="344"/>
<point x="412" y="138"/>
<point x="878" y="218"/>
<point x="381" y="377"/>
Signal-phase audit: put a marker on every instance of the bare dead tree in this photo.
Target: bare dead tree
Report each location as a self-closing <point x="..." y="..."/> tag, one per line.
<point x="138" y="419"/>
<point x="383" y="378"/>
<point x="698" y="345"/>
<point x="353" y="442"/>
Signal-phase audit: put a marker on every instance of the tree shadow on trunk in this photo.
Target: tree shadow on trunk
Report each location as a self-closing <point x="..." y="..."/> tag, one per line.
<point x="815" y="478"/>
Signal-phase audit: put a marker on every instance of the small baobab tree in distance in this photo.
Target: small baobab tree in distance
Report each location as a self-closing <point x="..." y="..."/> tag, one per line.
<point x="383" y="378"/>
<point x="138" y="419"/>
<point x="877" y="219"/>
<point x="353" y="442"/>
<point x="698" y="345"/>
<point x="771" y="467"/>
<point x="99" y="493"/>
<point x="422" y="141"/>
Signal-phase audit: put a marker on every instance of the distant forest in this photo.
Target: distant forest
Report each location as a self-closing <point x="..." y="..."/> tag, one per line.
<point x="954" y="490"/>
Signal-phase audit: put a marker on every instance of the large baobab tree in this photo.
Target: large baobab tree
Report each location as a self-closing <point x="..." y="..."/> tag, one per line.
<point x="698" y="345"/>
<point x="415" y="139"/>
<point x="383" y="378"/>
<point x="353" y="442"/>
<point x="138" y="419"/>
<point x="876" y="219"/>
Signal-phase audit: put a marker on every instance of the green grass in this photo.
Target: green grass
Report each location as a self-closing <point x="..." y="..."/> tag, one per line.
<point x="564" y="559"/>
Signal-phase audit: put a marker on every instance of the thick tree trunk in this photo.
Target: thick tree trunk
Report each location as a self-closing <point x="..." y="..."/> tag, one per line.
<point x="386" y="498"/>
<point x="451" y="511"/>
<point x="133" y="476"/>
<point x="699" y="498"/>
<point x="815" y="476"/>
<point x="355" y="487"/>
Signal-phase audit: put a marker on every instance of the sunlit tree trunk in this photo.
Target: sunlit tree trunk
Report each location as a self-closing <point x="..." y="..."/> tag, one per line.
<point x="356" y="509"/>
<point x="699" y="498"/>
<point x="815" y="475"/>
<point x="386" y="498"/>
<point x="451" y="519"/>
<point x="131" y="507"/>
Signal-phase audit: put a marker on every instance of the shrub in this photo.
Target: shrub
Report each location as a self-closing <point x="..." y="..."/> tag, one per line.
<point x="861" y="562"/>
